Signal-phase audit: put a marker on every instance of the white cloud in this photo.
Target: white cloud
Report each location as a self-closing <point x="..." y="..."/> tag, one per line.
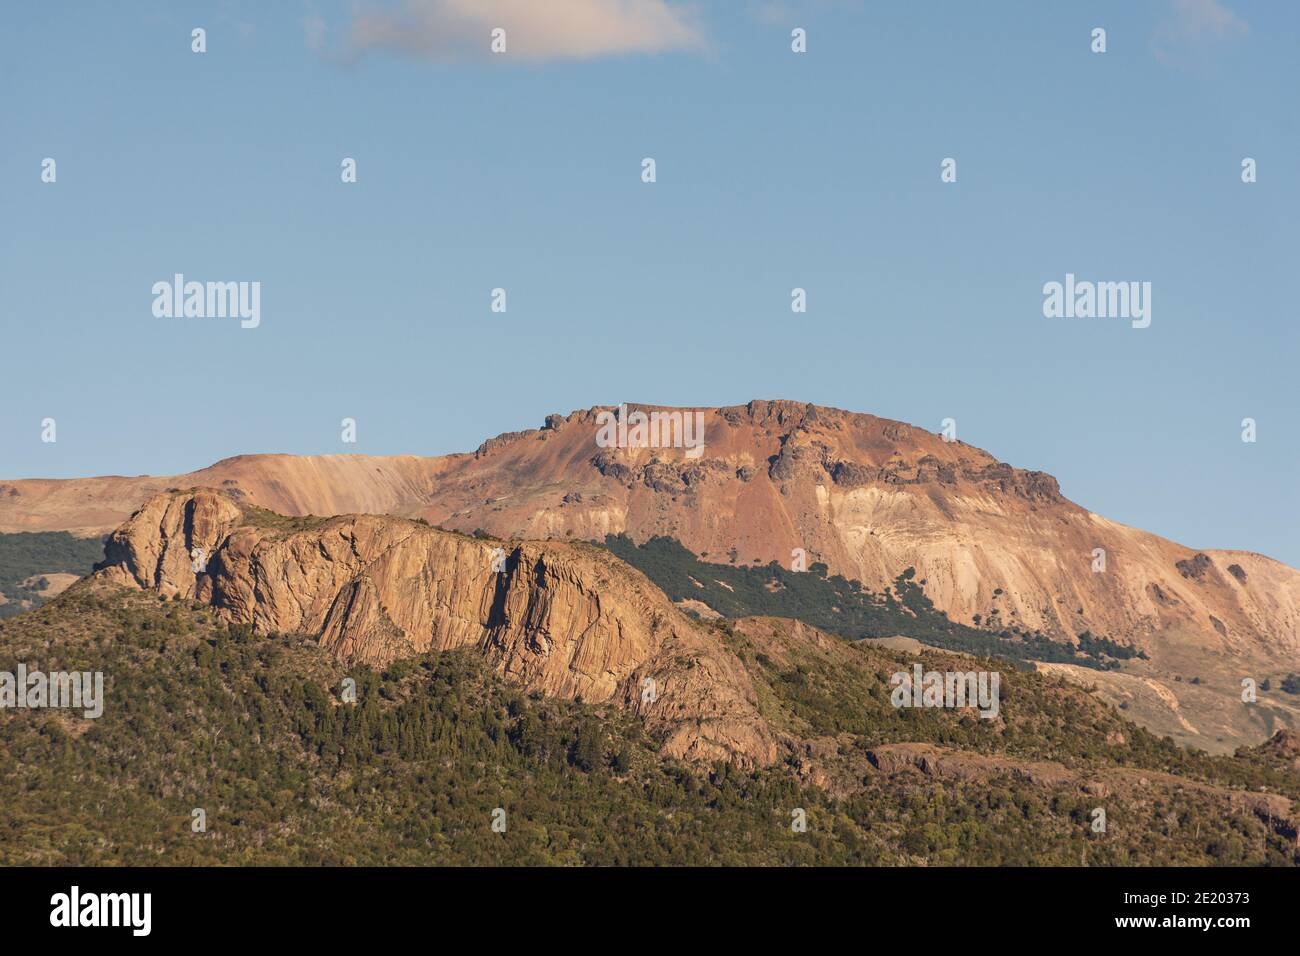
<point x="1193" y="29"/>
<point x="1199" y="18"/>
<point x="535" y="29"/>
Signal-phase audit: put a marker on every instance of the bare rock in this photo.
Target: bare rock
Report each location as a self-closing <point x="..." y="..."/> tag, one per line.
<point x="565" y="619"/>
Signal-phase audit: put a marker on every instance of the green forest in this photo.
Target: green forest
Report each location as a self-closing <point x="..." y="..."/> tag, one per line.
<point x="259" y="733"/>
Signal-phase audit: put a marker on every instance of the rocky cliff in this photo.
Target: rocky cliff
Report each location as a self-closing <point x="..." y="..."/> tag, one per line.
<point x="563" y="619"/>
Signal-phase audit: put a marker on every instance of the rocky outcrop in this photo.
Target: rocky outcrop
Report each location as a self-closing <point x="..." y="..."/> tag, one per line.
<point x="1274" y="810"/>
<point x="502" y="441"/>
<point x="1194" y="568"/>
<point x="936" y="761"/>
<point x="1283" y="746"/>
<point x="564" y="619"/>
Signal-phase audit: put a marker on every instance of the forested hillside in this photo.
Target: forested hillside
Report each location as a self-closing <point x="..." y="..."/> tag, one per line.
<point x="841" y="606"/>
<point x="259" y="734"/>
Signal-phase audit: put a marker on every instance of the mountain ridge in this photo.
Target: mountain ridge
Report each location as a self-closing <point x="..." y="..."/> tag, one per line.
<point x="999" y="547"/>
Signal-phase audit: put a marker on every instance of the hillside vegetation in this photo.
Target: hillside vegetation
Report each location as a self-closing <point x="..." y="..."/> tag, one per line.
<point x="255" y="731"/>
<point x="842" y="606"/>
<point x="26" y="556"/>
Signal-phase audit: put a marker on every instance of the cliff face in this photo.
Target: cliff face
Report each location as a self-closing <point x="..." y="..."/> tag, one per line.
<point x="563" y="619"/>
<point x="994" y="545"/>
<point x="871" y="497"/>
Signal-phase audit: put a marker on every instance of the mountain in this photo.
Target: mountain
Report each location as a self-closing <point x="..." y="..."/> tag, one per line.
<point x="325" y="484"/>
<point x="995" y="547"/>
<point x="560" y="618"/>
<point x="369" y="689"/>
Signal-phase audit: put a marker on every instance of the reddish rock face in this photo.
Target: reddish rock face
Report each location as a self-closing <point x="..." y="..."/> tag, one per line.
<point x="564" y="619"/>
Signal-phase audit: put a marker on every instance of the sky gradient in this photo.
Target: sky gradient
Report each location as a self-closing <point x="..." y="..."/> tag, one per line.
<point x="775" y="170"/>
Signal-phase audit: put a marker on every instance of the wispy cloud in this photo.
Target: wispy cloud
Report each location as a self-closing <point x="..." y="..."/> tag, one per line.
<point x="1201" y="18"/>
<point x="535" y="31"/>
<point x="1194" y="27"/>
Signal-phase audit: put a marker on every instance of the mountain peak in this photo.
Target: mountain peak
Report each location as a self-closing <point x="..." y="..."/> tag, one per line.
<point x="997" y="547"/>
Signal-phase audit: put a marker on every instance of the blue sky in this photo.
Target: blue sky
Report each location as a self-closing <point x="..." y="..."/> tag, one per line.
<point x="774" y="170"/>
